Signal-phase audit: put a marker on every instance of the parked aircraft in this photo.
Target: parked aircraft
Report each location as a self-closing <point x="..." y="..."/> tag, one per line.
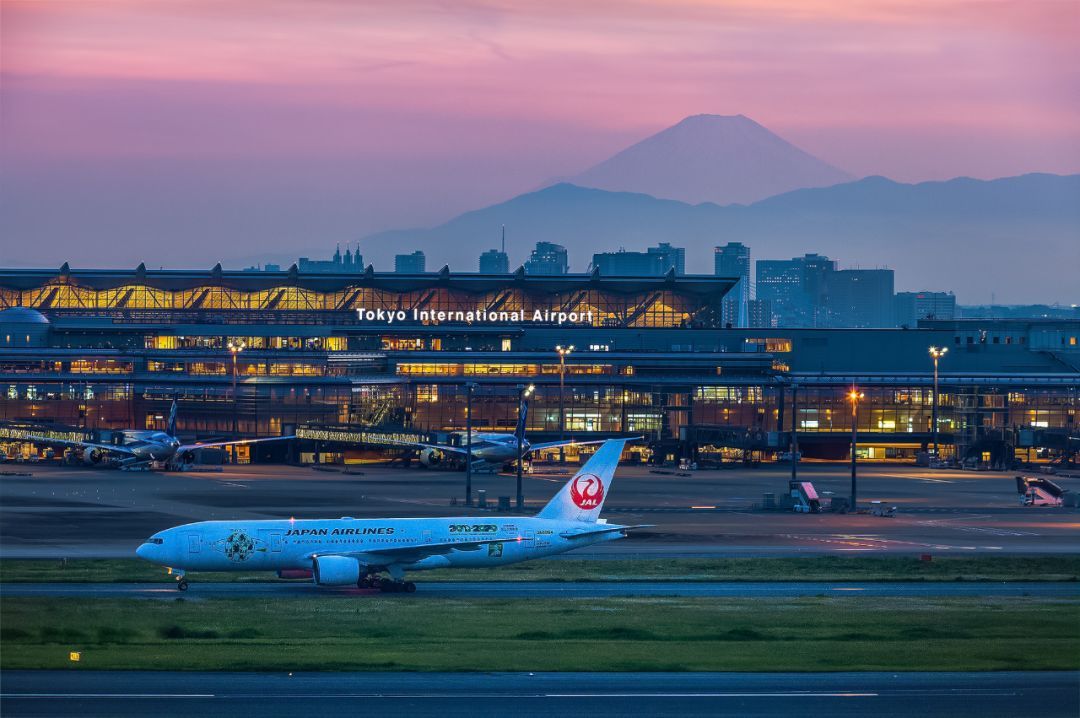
<point x="138" y="446"/>
<point x="354" y="552"/>
<point x="497" y="449"/>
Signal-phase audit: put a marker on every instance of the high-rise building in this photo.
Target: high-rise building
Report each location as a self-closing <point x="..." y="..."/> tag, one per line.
<point x="673" y="257"/>
<point x="628" y="264"/>
<point x="780" y="283"/>
<point x="414" y="263"/>
<point x="494" y="262"/>
<point x="548" y="258"/>
<point x="337" y="264"/>
<point x="797" y="289"/>
<point x="753" y="313"/>
<point x="733" y="260"/>
<point x="860" y="298"/>
<point x="913" y="306"/>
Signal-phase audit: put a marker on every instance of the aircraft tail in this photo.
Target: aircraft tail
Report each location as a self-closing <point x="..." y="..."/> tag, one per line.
<point x="523" y="413"/>
<point x="582" y="498"/>
<point x="170" y="428"/>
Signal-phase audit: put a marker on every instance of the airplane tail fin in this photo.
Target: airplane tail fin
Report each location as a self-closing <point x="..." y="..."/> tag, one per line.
<point x="170" y="428"/>
<point x="523" y="413"/>
<point x="582" y="498"/>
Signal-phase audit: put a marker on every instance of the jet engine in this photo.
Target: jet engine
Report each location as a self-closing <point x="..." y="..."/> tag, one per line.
<point x="336" y="570"/>
<point x="93" y="457"/>
<point x="430" y="458"/>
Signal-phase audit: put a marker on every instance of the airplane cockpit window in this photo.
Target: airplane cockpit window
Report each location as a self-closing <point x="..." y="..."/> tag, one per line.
<point x="156" y="541"/>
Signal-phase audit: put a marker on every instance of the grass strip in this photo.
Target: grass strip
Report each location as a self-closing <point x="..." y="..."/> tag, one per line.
<point x="611" y="634"/>
<point x="821" y="568"/>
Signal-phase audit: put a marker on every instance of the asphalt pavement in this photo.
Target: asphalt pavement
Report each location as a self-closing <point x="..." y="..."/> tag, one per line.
<point x="549" y="589"/>
<point x="596" y="695"/>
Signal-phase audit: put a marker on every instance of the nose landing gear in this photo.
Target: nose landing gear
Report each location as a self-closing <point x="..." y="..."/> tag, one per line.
<point x="182" y="584"/>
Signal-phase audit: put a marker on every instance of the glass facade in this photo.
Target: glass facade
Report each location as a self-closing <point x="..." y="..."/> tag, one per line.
<point x="652" y="361"/>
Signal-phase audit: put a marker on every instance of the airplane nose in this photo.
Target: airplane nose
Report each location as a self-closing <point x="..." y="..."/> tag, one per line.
<point x="144" y="551"/>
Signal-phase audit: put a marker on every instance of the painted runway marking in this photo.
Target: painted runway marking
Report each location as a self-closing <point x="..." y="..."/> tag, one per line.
<point x="107" y="695"/>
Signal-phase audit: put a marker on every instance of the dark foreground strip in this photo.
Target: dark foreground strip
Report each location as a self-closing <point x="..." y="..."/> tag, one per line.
<point x="162" y="694"/>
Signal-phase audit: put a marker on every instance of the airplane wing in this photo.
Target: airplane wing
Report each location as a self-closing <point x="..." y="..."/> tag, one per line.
<point x="436" y="447"/>
<point x="557" y="444"/>
<point x="80" y="444"/>
<point x="585" y="532"/>
<point x="416" y="552"/>
<point x="192" y="447"/>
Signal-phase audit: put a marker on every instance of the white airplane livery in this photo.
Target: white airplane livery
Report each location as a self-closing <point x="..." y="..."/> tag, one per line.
<point x="354" y="552"/>
<point x="142" y="446"/>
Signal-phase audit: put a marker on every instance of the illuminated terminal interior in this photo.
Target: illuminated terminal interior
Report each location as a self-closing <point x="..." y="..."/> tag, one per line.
<point x="273" y="353"/>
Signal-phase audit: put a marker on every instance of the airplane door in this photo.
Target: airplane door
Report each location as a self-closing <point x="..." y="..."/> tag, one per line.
<point x="193" y="543"/>
<point x="427" y="537"/>
<point x="529" y="539"/>
<point x="269" y="541"/>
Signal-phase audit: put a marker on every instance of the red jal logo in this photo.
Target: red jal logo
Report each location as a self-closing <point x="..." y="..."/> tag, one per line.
<point x="587" y="491"/>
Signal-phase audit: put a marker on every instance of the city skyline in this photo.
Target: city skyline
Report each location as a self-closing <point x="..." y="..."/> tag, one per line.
<point x="191" y="127"/>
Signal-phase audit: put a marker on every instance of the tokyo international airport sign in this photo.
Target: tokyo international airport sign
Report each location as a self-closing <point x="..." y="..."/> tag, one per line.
<point x="472" y="316"/>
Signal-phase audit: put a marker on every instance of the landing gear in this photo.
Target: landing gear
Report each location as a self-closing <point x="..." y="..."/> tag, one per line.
<point x="387" y="585"/>
<point x="181" y="585"/>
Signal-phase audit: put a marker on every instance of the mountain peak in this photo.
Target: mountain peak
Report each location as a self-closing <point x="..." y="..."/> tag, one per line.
<point x="712" y="158"/>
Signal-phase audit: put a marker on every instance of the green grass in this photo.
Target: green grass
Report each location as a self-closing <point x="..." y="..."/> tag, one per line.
<point x="825" y="568"/>
<point x="612" y="634"/>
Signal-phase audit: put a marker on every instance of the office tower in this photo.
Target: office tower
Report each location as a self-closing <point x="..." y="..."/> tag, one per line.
<point x="797" y="289"/>
<point x="913" y="306"/>
<point x="628" y="264"/>
<point x="672" y="257"/>
<point x="860" y="298"/>
<point x="494" y="262"/>
<point x="414" y="263"/>
<point x="733" y="260"/>
<point x="547" y="258"/>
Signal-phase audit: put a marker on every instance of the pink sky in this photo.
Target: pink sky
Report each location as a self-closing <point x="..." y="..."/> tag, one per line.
<point x="296" y="124"/>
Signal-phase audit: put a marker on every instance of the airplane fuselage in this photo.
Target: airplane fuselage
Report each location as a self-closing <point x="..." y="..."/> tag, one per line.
<point x="277" y="545"/>
<point x="150" y="445"/>
<point x="495" y="448"/>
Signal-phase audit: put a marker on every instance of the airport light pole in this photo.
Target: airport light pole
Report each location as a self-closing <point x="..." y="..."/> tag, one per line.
<point x="469" y="389"/>
<point x="936" y="354"/>
<point x="524" y="392"/>
<point x="235" y="348"/>
<point x="794" y="444"/>
<point x="854" y="396"/>
<point x="563" y="352"/>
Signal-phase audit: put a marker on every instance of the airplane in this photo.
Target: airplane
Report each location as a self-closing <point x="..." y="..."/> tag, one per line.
<point x="143" y="446"/>
<point x="499" y="449"/>
<point x="354" y="552"/>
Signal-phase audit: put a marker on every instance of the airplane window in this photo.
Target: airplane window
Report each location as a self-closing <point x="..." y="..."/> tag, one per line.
<point x="157" y="541"/>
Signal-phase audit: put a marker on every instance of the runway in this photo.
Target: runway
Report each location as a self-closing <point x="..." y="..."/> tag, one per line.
<point x="751" y="695"/>
<point x="548" y="589"/>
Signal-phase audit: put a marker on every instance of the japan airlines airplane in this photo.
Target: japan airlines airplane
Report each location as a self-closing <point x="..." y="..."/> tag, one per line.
<point x="353" y="552"/>
<point x="140" y="447"/>
<point x="489" y="448"/>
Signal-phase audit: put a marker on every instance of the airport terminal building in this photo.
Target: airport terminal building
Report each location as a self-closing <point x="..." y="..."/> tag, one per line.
<point x="347" y="361"/>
